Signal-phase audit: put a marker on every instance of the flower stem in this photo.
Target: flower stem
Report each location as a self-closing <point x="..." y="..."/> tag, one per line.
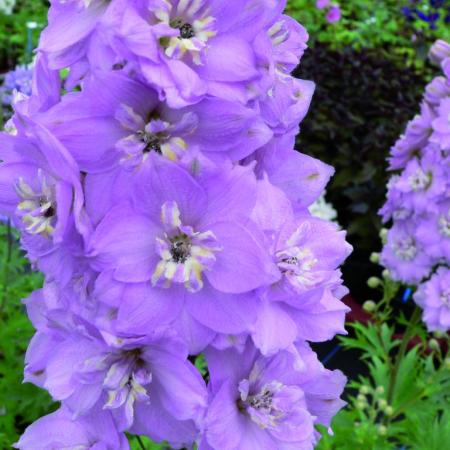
<point x="401" y="352"/>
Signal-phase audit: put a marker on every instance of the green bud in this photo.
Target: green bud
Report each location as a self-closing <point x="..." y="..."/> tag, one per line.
<point x="379" y="390"/>
<point x="369" y="306"/>
<point x="373" y="282"/>
<point x="447" y="362"/>
<point x="382" y="403"/>
<point x="383" y="234"/>
<point x="434" y="345"/>
<point x="365" y="390"/>
<point x="389" y="410"/>
<point x="439" y="334"/>
<point x="361" y="398"/>
<point x="382" y="430"/>
<point x="375" y="258"/>
<point x="361" y="406"/>
<point x="386" y="273"/>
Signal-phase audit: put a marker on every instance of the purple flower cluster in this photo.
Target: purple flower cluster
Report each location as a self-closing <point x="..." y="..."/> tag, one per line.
<point x="163" y="200"/>
<point x="418" y="200"/>
<point x="17" y="81"/>
<point x="333" y="10"/>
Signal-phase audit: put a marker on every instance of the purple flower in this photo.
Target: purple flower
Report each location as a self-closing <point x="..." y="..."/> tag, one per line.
<point x="60" y="430"/>
<point x="141" y="380"/>
<point x="120" y="128"/>
<point x="417" y="134"/>
<point x="433" y="232"/>
<point x="155" y="184"/>
<point x="334" y="14"/>
<point x="182" y="240"/>
<point x="180" y="46"/>
<point x="322" y="4"/>
<point x="17" y="80"/>
<point x="269" y="402"/>
<point x="434" y="297"/>
<point x="441" y="125"/>
<point x="403" y="254"/>
<point x="439" y="51"/>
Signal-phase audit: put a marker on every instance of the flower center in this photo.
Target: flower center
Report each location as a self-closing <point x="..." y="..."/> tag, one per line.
<point x="37" y="209"/>
<point x="445" y="297"/>
<point x="194" y="25"/>
<point x="420" y="181"/>
<point x="181" y="249"/>
<point x="126" y="380"/>
<point x="261" y="406"/>
<point x="297" y="263"/>
<point x="186" y="29"/>
<point x="405" y="249"/>
<point x="185" y="254"/>
<point x="152" y="142"/>
<point x="444" y="225"/>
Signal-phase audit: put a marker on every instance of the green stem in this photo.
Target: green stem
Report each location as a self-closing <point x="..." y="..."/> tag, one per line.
<point x="401" y="353"/>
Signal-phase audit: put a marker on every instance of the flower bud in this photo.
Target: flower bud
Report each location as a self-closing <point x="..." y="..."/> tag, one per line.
<point x="373" y="282"/>
<point x="375" y="258"/>
<point x="439" y="51"/>
<point x="386" y="273"/>
<point x="447" y="362"/>
<point x="380" y="390"/>
<point x="433" y="344"/>
<point x="369" y="306"/>
<point x="383" y="234"/>
<point x="389" y="410"/>
<point x="361" y="406"/>
<point x="361" y="398"/>
<point x="382" y="430"/>
<point x="365" y="390"/>
<point x="382" y="403"/>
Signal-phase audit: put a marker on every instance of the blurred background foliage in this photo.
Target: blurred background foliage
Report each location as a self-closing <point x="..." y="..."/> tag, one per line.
<point x="370" y="69"/>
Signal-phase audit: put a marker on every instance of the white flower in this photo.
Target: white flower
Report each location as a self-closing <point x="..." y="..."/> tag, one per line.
<point x="323" y="210"/>
<point x="6" y="6"/>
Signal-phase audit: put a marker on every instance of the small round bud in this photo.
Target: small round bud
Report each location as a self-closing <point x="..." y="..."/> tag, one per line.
<point x="382" y="430"/>
<point x="361" y="406"/>
<point x="365" y="390"/>
<point x="389" y="410"/>
<point x="382" y="403"/>
<point x="369" y="306"/>
<point x="447" y="362"/>
<point x="357" y="424"/>
<point x="375" y="258"/>
<point x="383" y="234"/>
<point x="386" y="273"/>
<point x="438" y="334"/>
<point x="433" y="344"/>
<point x="379" y="390"/>
<point x="373" y="282"/>
<point x="361" y="398"/>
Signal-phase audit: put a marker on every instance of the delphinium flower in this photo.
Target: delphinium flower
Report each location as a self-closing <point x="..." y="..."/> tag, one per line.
<point x="12" y="83"/>
<point x="418" y="244"/>
<point x="434" y="297"/>
<point x="155" y="184"/>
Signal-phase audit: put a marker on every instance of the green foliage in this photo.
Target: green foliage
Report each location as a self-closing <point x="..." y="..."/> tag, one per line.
<point x="366" y="24"/>
<point x="403" y="401"/>
<point x="145" y="444"/>
<point x="14" y="34"/>
<point x="20" y="404"/>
